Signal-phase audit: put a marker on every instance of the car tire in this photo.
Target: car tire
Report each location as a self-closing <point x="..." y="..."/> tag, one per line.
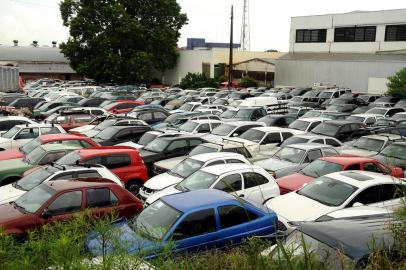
<point x="134" y="186"/>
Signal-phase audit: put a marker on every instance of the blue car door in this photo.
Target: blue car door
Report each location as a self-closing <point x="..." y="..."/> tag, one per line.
<point x="197" y="231"/>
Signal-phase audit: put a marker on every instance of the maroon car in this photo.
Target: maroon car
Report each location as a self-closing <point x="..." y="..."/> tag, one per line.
<point x="58" y="200"/>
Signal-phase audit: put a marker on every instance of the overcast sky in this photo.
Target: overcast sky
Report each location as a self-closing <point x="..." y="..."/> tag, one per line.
<point x="28" y="20"/>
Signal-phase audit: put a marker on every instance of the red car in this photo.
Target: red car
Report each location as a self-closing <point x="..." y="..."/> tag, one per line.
<point x="44" y="139"/>
<point x="123" y="161"/>
<point x="59" y="200"/>
<point x="71" y="121"/>
<point x="326" y="165"/>
<point x="122" y="106"/>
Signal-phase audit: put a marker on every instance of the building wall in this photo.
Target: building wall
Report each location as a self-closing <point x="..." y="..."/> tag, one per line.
<point x="354" y="75"/>
<point x="36" y="76"/>
<point x="329" y="22"/>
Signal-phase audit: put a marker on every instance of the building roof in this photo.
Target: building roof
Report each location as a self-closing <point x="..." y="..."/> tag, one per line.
<point x="346" y="57"/>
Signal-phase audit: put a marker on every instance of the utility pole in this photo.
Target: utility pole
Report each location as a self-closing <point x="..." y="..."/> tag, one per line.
<point x="230" y="62"/>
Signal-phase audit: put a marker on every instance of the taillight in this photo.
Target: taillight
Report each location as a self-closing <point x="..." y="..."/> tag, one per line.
<point x="280" y="226"/>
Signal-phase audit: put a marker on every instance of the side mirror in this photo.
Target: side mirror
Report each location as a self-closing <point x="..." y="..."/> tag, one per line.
<point x="357" y="204"/>
<point x="46" y="214"/>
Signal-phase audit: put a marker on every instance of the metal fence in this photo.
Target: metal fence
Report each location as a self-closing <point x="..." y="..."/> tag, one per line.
<point x="8" y="79"/>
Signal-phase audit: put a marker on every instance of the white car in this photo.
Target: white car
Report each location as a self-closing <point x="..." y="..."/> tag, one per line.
<point x="186" y="168"/>
<point x="198" y="126"/>
<point x="370" y="145"/>
<point x="8" y="122"/>
<point x="364" y="118"/>
<point x="336" y="191"/>
<point x="21" y="134"/>
<point x="187" y="107"/>
<point x="231" y="129"/>
<point x="247" y="181"/>
<point x="304" y="125"/>
<point x="13" y="191"/>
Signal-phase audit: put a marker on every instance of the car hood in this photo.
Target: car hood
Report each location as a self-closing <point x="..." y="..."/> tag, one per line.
<point x="348" y="150"/>
<point x="274" y="165"/>
<point x="293" y="181"/>
<point x="11" y="154"/>
<point x="162" y="181"/>
<point x="131" y="144"/>
<point x="169" y="163"/>
<point x="9" y="214"/>
<point x="14" y="164"/>
<point x="167" y="191"/>
<point x="8" y="193"/>
<point x="124" y="236"/>
<point x="5" y="141"/>
<point x="82" y="128"/>
<point x="295" y="207"/>
<point x="160" y="125"/>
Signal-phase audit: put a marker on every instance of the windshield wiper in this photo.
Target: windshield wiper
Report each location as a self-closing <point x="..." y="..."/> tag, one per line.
<point x="16" y="185"/>
<point x="15" y="205"/>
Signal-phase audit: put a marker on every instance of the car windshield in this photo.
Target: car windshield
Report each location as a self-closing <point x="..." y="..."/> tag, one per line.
<point x="311" y="114"/>
<point x="186" y="107"/>
<point x="35" y="156"/>
<point x="147" y="138"/>
<point x="380" y="111"/>
<point x="107" y="133"/>
<point x="11" y="132"/>
<point x="223" y="130"/>
<point x="326" y="129"/>
<point x="35" y="178"/>
<point x="202" y="149"/>
<point x="253" y="135"/>
<point x="187" y="167"/>
<point x="357" y="119"/>
<point x="294" y="140"/>
<point x="34" y="199"/>
<point x="228" y="114"/>
<point x="157" y="145"/>
<point x="156" y="220"/>
<point x="299" y="125"/>
<point x="325" y="95"/>
<point x="196" y="181"/>
<point x="290" y="154"/>
<point x="105" y="124"/>
<point x="395" y="151"/>
<point x="69" y="159"/>
<point x="327" y="191"/>
<point x="360" y="110"/>
<point x="189" y="126"/>
<point x="244" y="114"/>
<point x="321" y="167"/>
<point x="30" y="146"/>
<point x="368" y="144"/>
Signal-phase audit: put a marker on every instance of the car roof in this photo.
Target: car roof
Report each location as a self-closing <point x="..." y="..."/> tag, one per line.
<point x="36" y="125"/>
<point x="11" y="117"/>
<point x="314" y="136"/>
<point x="363" y="179"/>
<point x="198" y="199"/>
<point x="308" y="146"/>
<point x="314" y="119"/>
<point x="384" y="136"/>
<point x="206" y="121"/>
<point x="62" y="136"/>
<point x="226" y="168"/>
<point x="348" y="159"/>
<point x="61" y="185"/>
<point x="209" y="156"/>
<point x="105" y="150"/>
<point x="244" y="123"/>
<point x="272" y="129"/>
<point x="57" y="146"/>
<point x="352" y="235"/>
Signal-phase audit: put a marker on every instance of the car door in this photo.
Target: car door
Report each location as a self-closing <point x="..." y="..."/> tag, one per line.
<point x="25" y="135"/>
<point x="62" y="207"/>
<point x="197" y="231"/>
<point x="270" y="141"/>
<point x="258" y="188"/>
<point x="177" y="148"/>
<point x="102" y="201"/>
<point x="231" y="183"/>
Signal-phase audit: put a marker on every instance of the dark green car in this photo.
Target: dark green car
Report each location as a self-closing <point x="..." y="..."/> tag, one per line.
<point x="12" y="170"/>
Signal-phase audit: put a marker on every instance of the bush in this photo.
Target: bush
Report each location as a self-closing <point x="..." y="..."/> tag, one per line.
<point x="197" y="80"/>
<point x="248" y="82"/>
<point x="397" y="83"/>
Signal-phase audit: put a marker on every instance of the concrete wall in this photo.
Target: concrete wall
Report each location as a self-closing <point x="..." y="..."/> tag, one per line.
<point x="329" y="22"/>
<point x="9" y="80"/>
<point x="352" y="74"/>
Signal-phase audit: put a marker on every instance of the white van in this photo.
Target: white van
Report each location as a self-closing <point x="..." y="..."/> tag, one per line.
<point x="259" y="101"/>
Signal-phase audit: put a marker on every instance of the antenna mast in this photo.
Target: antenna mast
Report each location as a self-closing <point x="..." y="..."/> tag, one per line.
<point x="245" y="27"/>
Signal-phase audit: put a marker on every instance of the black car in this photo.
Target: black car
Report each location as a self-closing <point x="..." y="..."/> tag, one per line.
<point x="345" y="108"/>
<point x="339" y="242"/>
<point x="118" y="134"/>
<point x="168" y="146"/>
<point x="277" y="120"/>
<point x="25" y="103"/>
<point x="341" y="129"/>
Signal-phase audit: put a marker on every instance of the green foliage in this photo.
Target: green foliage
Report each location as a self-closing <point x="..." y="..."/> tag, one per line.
<point x="397" y="83"/>
<point x="197" y="80"/>
<point x="121" y="41"/>
<point x="248" y="82"/>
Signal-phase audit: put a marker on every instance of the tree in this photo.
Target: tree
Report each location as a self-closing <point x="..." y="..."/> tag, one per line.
<point x="248" y="82"/>
<point x="197" y="80"/>
<point x="121" y="41"/>
<point x="397" y="83"/>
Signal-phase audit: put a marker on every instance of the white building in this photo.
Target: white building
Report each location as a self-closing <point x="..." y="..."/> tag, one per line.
<point x="358" y="50"/>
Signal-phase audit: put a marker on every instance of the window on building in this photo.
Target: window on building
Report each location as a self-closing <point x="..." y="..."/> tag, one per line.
<point x="355" y="34"/>
<point x="311" y="35"/>
<point x="395" y="32"/>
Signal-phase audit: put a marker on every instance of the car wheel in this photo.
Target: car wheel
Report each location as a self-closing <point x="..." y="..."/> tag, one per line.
<point x="134" y="186"/>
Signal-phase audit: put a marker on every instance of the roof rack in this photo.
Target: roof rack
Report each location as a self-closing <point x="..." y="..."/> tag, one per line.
<point x="78" y="163"/>
<point x="58" y="166"/>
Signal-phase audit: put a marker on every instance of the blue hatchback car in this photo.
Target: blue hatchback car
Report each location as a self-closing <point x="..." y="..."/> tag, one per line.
<point x="187" y="222"/>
